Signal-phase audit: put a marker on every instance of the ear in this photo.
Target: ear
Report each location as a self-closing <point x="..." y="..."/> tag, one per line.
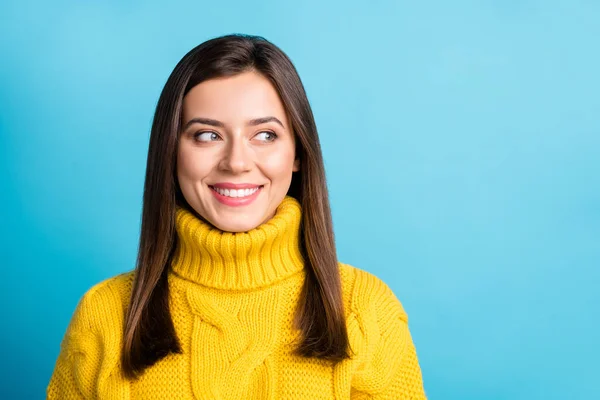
<point x="296" y="167"/>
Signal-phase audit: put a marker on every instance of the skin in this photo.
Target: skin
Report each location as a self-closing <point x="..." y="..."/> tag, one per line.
<point x="237" y="152"/>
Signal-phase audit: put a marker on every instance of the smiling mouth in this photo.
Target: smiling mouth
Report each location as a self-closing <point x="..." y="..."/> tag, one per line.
<point x="236" y="193"/>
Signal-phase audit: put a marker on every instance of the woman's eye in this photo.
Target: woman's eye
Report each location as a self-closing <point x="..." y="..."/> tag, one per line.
<point x="270" y="136"/>
<point x="205" y="136"/>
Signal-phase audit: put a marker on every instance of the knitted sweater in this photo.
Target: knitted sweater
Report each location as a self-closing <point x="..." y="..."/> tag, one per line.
<point x="232" y="300"/>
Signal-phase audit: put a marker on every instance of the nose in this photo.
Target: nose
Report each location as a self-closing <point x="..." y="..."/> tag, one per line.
<point x="236" y="157"/>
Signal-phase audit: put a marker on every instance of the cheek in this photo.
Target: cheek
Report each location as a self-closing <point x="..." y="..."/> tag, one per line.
<point x="278" y="164"/>
<point x="189" y="165"/>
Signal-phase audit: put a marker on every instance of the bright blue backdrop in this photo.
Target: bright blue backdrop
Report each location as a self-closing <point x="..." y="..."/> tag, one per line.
<point x="462" y="147"/>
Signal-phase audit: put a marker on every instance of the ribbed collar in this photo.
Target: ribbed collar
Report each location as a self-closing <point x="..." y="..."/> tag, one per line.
<point x="239" y="260"/>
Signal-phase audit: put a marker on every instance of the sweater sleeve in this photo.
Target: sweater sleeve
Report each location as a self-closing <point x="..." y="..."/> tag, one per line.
<point x="397" y="352"/>
<point x="76" y="368"/>
<point x="392" y="369"/>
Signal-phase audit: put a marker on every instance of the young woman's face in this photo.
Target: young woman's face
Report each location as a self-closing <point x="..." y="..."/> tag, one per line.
<point x="235" y="130"/>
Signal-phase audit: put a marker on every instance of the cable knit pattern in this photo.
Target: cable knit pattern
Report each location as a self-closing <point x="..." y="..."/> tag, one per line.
<point x="233" y="297"/>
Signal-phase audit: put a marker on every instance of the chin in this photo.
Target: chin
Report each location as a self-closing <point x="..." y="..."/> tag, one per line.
<point x="238" y="228"/>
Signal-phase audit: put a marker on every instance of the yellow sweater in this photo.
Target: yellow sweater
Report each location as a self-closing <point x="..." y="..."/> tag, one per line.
<point x="233" y="297"/>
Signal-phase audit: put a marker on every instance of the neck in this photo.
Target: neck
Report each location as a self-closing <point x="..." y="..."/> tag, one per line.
<point x="239" y="260"/>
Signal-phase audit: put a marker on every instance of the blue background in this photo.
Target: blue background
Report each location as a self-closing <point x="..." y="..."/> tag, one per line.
<point x="462" y="147"/>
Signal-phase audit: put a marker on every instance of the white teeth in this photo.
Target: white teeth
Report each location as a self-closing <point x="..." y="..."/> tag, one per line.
<point x="235" y="193"/>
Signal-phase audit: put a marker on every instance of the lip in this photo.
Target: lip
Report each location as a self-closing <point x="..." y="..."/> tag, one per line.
<point x="230" y="185"/>
<point x="236" y="201"/>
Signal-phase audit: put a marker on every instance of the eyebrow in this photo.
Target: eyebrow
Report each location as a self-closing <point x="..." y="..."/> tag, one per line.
<point x="214" y="122"/>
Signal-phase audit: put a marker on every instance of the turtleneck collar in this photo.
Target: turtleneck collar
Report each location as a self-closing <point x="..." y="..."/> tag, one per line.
<point x="239" y="260"/>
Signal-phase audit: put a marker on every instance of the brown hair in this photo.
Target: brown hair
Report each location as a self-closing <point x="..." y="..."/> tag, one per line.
<point x="149" y="331"/>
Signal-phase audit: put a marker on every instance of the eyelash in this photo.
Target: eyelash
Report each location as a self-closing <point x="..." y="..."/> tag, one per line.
<point x="201" y="132"/>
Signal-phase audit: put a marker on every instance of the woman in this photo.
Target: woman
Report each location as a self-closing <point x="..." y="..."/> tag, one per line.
<point x="237" y="292"/>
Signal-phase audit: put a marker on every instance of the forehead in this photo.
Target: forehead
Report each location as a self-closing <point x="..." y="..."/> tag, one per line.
<point x="240" y="97"/>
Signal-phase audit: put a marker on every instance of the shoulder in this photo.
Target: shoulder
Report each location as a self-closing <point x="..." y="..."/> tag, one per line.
<point x="365" y="292"/>
<point x="380" y="340"/>
<point x="103" y="304"/>
<point x="91" y="344"/>
<point x="111" y="291"/>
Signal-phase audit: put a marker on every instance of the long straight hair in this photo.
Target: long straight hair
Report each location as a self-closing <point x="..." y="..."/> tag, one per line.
<point x="149" y="331"/>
